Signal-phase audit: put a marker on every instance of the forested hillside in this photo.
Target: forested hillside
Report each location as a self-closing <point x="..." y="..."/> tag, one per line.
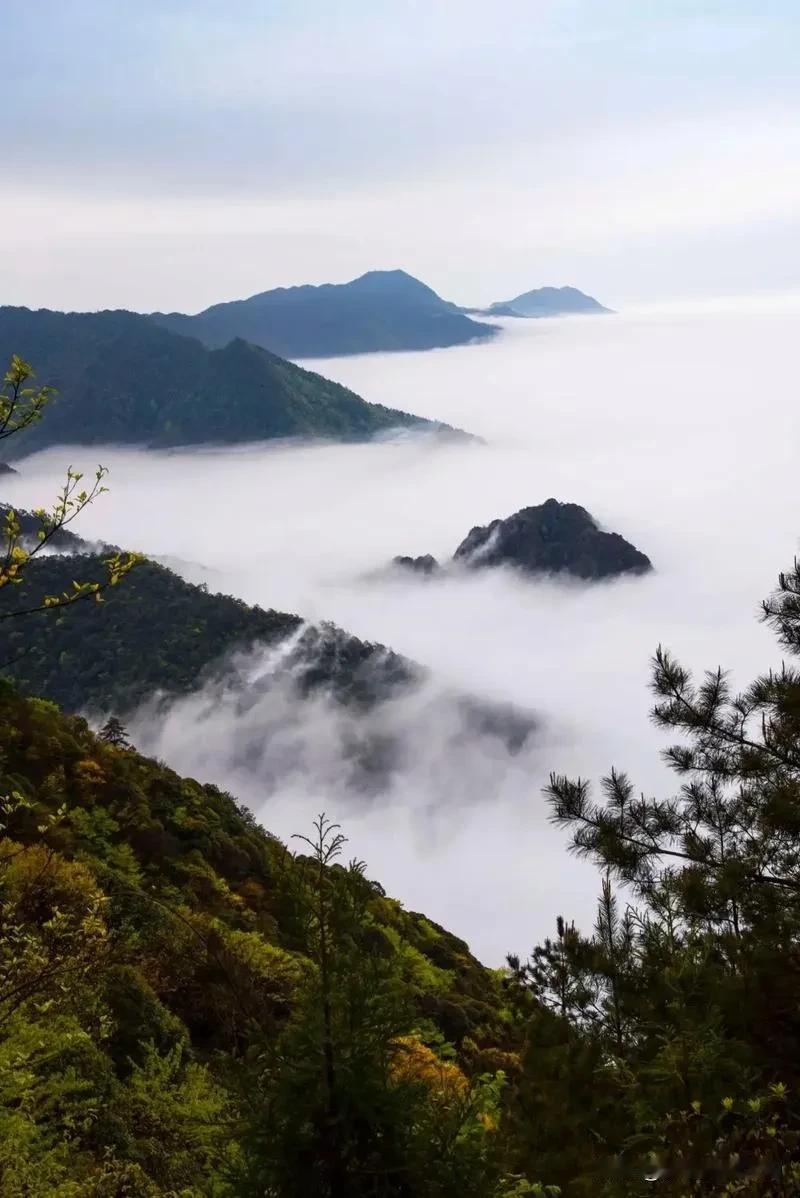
<point x="122" y="379"/>
<point x="161" y="633"/>
<point x="165" y="971"/>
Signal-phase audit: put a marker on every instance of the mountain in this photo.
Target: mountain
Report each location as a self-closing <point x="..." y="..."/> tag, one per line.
<point x="160" y="636"/>
<point x="160" y="984"/>
<point x="553" y="538"/>
<point x="161" y="633"/>
<point x="547" y="301"/>
<point x="121" y="378"/>
<point x="381" y="310"/>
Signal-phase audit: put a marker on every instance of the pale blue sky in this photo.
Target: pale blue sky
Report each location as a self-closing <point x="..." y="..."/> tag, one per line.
<point x="169" y="153"/>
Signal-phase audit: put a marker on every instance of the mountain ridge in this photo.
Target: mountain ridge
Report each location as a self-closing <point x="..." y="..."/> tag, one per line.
<point x="121" y="378"/>
<point x="160" y="638"/>
<point x="378" y="311"/>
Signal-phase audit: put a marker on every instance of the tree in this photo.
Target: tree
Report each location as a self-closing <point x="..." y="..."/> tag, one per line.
<point x="114" y="733"/>
<point x="21" y="406"/>
<point x="335" y="1119"/>
<point x="52" y="931"/>
<point x="697" y="986"/>
<point x="352" y="1102"/>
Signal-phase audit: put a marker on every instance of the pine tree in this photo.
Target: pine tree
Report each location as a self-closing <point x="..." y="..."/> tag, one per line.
<point x="114" y="733"/>
<point x="698" y="984"/>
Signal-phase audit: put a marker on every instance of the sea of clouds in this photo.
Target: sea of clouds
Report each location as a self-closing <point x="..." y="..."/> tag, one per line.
<point x="676" y="427"/>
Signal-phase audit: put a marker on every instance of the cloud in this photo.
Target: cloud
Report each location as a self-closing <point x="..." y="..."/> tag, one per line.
<point x="676" y="428"/>
<point x="157" y="154"/>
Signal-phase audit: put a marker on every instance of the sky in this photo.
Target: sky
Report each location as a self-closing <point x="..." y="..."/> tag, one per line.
<point x="173" y="153"/>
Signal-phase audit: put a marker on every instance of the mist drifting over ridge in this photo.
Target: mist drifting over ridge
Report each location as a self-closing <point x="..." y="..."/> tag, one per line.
<point x="649" y="421"/>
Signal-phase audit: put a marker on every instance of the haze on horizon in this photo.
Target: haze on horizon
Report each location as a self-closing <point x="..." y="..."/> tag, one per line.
<point x="176" y="153"/>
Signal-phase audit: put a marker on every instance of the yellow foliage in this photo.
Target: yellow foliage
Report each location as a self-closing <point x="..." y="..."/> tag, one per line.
<point x="41" y="882"/>
<point x="283" y="972"/>
<point x="89" y="773"/>
<point x="54" y="928"/>
<point x="414" y="1062"/>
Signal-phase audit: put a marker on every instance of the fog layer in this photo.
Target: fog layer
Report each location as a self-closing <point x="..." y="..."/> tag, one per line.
<point x="678" y="429"/>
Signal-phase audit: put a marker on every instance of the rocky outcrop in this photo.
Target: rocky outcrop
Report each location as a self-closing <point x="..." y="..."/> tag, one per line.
<point x="426" y="564"/>
<point x="553" y="538"/>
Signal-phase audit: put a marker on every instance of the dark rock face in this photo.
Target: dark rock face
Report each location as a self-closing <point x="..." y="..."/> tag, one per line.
<point x="6" y="469"/>
<point x="553" y="538"/>
<point x="426" y="564"/>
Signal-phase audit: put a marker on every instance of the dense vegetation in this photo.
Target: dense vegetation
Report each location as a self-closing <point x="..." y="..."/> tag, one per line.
<point x="382" y="310"/>
<point x="181" y="999"/>
<point x="123" y="379"/>
<point x="160" y="633"/>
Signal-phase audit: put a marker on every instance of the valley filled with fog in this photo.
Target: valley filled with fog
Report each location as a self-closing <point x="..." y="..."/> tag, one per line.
<point x="677" y="428"/>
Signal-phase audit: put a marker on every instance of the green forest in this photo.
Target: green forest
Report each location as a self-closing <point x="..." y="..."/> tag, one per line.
<point x="123" y="379"/>
<point x="190" y="1007"/>
<point x="116" y="655"/>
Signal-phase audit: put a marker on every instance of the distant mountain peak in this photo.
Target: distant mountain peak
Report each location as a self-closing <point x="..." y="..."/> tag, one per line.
<point x="391" y="281"/>
<point x="379" y="311"/>
<point x="548" y="301"/>
<point x="395" y="273"/>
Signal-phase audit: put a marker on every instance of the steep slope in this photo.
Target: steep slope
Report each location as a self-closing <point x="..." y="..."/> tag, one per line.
<point x="159" y="948"/>
<point x="548" y="301"/>
<point x="160" y="633"/>
<point x="381" y="310"/>
<point x="123" y="379"/>
<point x="43" y="739"/>
<point x="157" y="634"/>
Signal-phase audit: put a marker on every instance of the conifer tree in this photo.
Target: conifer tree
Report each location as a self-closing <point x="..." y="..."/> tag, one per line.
<point x="114" y="733"/>
<point x="696" y="985"/>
